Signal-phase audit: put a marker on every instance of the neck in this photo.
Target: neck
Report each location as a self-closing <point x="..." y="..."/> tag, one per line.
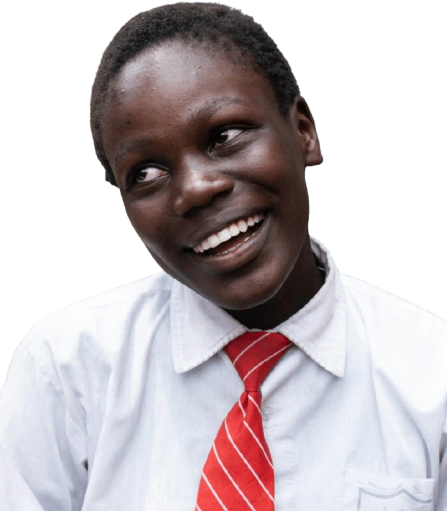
<point x="302" y="284"/>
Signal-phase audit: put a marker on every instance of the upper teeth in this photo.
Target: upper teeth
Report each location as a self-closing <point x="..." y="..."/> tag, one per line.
<point x="227" y="233"/>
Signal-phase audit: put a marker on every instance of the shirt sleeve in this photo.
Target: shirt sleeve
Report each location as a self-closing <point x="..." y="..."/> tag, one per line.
<point x="441" y="494"/>
<point x="42" y="445"/>
<point x="14" y="492"/>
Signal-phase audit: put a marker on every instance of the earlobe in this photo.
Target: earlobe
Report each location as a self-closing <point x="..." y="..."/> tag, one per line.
<point x="313" y="155"/>
<point x="310" y="145"/>
<point x="315" y="158"/>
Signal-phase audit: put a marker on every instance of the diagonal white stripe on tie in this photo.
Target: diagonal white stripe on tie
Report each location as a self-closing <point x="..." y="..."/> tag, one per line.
<point x="241" y="493"/>
<point x="263" y="362"/>
<point x="230" y="438"/>
<point x="210" y="486"/>
<point x="253" y="434"/>
<point x="255" y="403"/>
<point x="250" y="346"/>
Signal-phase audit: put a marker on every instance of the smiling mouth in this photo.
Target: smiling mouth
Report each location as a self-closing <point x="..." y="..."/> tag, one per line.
<point x="231" y="237"/>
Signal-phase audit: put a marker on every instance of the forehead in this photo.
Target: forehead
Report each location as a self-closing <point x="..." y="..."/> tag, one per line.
<point x="170" y="64"/>
<point x="176" y="71"/>
<point x="187" y="54"/>
<point x="176" y="84"/>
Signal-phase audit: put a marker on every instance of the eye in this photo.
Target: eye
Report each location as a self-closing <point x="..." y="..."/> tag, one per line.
<point x="224" y="136"/>
<point x="146" y="174"/>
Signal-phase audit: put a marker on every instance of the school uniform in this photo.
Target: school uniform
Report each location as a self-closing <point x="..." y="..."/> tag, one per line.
<point x="114" y="403"/>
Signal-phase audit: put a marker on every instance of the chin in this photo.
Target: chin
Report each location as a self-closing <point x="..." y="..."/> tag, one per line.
<point x="237" y="298"/>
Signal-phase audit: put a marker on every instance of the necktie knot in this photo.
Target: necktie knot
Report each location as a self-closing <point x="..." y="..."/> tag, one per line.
<point x="254" y="354"/>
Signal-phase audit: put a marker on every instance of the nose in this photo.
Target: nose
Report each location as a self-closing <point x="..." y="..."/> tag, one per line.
<point x="197" y="184"/>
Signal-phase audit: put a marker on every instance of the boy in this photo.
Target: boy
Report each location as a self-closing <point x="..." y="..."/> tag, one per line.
<point x="125" y="401"/>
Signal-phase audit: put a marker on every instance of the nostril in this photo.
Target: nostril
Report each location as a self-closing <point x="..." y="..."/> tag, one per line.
<point x="200" y="190"/>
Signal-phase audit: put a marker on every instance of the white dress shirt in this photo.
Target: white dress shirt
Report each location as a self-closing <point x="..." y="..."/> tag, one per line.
<point x="114" y="403"/>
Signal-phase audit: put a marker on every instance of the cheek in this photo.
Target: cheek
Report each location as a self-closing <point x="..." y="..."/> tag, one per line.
<point x="285" y="182"/>
<point x="147" y="220"/>
<point x="276" y="164"/>
<point x="152" y="225"/>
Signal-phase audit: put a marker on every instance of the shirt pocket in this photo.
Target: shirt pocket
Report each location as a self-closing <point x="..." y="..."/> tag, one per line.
<point x="373" y="492"/>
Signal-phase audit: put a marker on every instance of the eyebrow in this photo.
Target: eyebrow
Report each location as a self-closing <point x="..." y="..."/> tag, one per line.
<point x="211" y="107"/>
<point x="206" y="111"/>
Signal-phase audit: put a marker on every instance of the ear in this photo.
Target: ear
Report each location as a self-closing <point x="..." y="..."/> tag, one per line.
<point x="304" y="122"/>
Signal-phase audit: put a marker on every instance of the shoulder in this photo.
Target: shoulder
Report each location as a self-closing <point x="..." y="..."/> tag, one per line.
<point x="72" y="356"/>
<point x="98" y="326"/>
<point x="404" y="341"/>
<point x="146" y="289"/>
<point x="383" y="308"/>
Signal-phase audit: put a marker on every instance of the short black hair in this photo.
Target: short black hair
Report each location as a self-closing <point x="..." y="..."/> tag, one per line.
<point x="218" y="26"/>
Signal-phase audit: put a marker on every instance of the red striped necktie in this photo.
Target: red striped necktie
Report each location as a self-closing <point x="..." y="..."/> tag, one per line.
<point x="238" y="473"/>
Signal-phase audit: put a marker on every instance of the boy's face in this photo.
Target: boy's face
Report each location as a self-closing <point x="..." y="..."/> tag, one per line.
<point x="201" y="153"/>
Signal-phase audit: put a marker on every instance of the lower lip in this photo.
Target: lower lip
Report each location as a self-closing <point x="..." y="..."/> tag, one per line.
<point x="237" y="257"/>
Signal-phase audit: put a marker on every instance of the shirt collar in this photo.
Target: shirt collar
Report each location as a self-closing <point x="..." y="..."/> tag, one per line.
<point x="199" y="328"/>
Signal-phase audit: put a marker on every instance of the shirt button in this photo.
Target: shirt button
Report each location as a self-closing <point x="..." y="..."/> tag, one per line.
<point x="266" y="413"/>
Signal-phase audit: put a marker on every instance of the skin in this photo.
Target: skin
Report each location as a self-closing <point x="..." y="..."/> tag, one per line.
<point x="196" y="142"/>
